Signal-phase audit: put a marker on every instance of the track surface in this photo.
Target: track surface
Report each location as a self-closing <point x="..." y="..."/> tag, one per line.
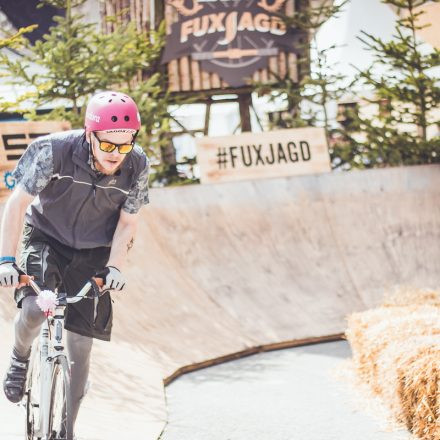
<point x="220" y="269"/>
<point x="298" y="393"/>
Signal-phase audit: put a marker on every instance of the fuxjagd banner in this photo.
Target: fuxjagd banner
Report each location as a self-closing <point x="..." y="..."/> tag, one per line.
<point x="231" y="38"/>
<point x="261" y="155"/>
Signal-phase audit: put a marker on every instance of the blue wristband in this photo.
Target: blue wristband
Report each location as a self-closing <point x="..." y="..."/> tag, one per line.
<point x="7" y="259"/>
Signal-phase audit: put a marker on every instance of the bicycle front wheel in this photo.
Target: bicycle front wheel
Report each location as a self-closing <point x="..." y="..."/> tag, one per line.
<point x="60" y="411"/>
<point x="33" y="387"/>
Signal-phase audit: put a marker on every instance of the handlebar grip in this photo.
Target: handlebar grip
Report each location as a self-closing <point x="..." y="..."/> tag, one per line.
<point x="25" y="279"/>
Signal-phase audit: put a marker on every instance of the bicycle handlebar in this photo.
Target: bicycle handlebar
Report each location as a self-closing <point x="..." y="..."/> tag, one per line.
<point x="26" y="279"/>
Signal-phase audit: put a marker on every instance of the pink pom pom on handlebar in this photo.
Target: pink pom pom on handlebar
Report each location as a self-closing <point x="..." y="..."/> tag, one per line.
<point x="47" y="302"/>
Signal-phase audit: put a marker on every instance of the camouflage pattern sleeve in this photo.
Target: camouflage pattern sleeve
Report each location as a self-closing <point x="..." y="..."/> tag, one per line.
<point x="35" y="168"/>
<point x="138" y="194"/>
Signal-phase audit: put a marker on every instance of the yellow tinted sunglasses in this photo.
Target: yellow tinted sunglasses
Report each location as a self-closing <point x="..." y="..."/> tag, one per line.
<point x="108" y="147"/>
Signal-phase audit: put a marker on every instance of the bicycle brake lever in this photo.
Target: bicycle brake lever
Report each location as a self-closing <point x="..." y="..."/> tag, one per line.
<point x="62" y="299"/>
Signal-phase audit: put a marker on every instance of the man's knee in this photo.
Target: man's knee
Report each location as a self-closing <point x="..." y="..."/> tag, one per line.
<point x="31" y="314"/>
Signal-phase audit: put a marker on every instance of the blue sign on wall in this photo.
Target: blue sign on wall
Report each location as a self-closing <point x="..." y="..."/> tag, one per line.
<point x="9" y="180"/>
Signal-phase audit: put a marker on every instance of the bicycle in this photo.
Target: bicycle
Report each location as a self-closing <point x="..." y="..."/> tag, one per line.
<point x="47" y="397"/>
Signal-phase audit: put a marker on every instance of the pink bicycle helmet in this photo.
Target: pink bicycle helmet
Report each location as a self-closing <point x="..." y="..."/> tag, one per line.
<point x="112" y="110"/>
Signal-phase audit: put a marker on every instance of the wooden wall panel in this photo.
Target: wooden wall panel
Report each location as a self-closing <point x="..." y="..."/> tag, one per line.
<point x="282" y="65"/>
<point x="136" y="11"/>
<point x="173" y="76"/>
<point x="185" y="79"/>
<point x="206" y="83"/>
<point x="292" y="65"/>
<point x="290" y="7"/>
<point x="145" y="14"/>
<point x="264" y="75"/>
<point x="273" y="68"/>
<point x="215" y="81"/>
<point x="196" y="76"/>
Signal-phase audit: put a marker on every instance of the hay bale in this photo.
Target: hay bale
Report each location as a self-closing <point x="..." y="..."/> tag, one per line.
<point x="371" y="333"/>
<point x="396" y="351"/>
<point x="396" y="357"/>
<point x="418" y="389"/>
<point x="411" y="297"/>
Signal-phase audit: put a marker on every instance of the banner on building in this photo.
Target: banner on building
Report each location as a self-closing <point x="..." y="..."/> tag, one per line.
<point x="261" y="155"/>
<point x="231" y="38"/>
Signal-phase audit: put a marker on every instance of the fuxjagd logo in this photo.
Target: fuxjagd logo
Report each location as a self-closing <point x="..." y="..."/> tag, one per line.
<point x="261" y="155"/>
<point x="291" y="152"/>
<point x="230" y="38"/>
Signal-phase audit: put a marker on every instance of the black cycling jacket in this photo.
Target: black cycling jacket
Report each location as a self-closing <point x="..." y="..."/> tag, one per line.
<point x="79" y="207"/>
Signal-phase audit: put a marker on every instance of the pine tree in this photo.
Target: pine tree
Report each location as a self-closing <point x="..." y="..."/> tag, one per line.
<point x="17" y="38"/>
<point x="321" y="87"/>
<point x="75" y="60"/>
<point x="406" y="93"/>
<point x="13" y="42"/>
<point x="319" y="83"/>
<point x="65" y="60"/>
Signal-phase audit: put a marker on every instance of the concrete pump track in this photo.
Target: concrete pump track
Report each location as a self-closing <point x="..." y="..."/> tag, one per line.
<point x="221" y="271"/>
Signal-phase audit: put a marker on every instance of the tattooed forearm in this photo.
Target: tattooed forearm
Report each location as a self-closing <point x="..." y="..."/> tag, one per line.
<point x="130" y="244"/>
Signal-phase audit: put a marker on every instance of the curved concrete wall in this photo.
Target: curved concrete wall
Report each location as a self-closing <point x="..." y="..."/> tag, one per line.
<point x="221" y="269"/>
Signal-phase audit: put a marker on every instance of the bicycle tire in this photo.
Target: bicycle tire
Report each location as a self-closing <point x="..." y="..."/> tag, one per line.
<point x="33" y="395"/>
<point x="60" y="410"/>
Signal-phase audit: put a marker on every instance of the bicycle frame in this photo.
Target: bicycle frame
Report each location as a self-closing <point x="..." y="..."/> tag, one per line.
<point x="51" y="349"/>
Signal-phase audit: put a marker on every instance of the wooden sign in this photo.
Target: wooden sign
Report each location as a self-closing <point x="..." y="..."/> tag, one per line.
<point x="231" y="39"/>
<point x="14" y="139"/>
<point x="261" y="155"/>
<point x="186" y="73"/>
<point x="218" y="44"/>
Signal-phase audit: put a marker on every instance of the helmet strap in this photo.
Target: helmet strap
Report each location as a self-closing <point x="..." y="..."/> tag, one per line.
<point x="92" y="154"/>
<point x="134" y="136"/>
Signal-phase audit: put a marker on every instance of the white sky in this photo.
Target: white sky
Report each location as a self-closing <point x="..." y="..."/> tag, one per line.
<point x="371" y="16"/>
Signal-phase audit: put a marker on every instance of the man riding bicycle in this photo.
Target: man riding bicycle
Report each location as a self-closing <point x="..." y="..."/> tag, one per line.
<point x="78" y="194"/>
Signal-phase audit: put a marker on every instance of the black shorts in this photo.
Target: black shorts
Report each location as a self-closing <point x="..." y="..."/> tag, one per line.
<point x="57" y="266"/>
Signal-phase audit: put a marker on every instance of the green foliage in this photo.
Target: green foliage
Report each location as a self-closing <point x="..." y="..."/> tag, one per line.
<point x="322" y="86"/>
<point x="310" y="18"/>
<point x="403" y="81"/>
<point x="16" y="39"/>
<point x="75" y="59"/>
<point x="290" y="92"/>
<point x="307" y="99"/>
<point x="13" y="42"/>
